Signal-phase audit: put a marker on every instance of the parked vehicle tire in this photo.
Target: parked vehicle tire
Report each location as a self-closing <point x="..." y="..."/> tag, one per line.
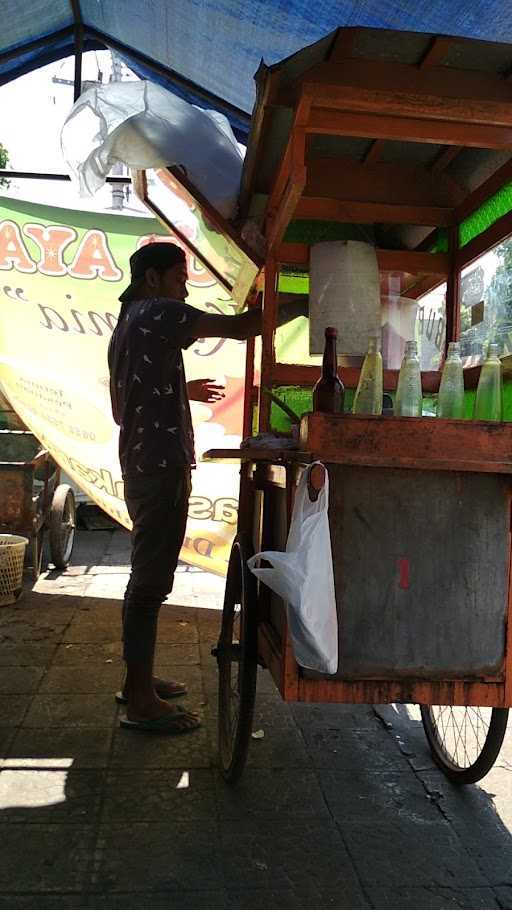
<point x="62" y="526"/>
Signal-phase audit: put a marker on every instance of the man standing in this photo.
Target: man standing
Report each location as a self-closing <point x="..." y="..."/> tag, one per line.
<point x="150" y="402"/>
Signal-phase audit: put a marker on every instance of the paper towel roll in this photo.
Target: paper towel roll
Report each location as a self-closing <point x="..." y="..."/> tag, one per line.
<point x="344" y="292"/>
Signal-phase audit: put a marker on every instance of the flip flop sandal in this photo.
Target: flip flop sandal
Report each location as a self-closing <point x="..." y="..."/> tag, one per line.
<point x="180" y="690"/>
<point x="168" y="724"/>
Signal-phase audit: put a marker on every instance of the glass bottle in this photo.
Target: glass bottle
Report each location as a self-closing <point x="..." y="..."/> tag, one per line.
<point x="329" y="391"/>
<point x="368" y="397"/>
<point x="409" y="398"/>
<point x="450" y="401"/>
<point x="488" y="401"/>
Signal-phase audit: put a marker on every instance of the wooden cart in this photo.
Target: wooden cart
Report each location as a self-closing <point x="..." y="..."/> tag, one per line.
<point x="404" y="136"/>
<point x="33" y="499"/>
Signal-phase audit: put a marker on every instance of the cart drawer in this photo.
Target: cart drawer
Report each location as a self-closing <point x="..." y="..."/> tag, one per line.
<point x="421" y="562"/>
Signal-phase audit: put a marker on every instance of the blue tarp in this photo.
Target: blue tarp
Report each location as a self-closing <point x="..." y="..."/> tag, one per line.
<point x="217" y="45"/>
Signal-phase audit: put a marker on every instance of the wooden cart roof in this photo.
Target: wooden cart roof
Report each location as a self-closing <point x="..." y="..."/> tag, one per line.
<point x="402" y="130"/>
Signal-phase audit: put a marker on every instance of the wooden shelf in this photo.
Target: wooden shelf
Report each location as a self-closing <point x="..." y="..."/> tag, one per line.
<point x="421" y="443"/>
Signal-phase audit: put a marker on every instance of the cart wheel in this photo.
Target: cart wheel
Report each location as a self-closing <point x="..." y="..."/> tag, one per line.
<point x="237" y="660"/>
<point x="465" y="742"/>
<point x="62" y="525"/>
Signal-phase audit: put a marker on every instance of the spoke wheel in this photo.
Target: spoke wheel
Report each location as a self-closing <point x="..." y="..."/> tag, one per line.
<point x="62" y="525"/>
<point x="465" y="742"/>
<point x="237" y="661"/>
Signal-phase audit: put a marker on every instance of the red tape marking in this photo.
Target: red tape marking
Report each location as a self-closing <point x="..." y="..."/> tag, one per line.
<point x="403" y="569"/>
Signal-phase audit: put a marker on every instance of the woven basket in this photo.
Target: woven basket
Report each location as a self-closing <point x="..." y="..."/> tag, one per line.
<point x="12" y="555"/>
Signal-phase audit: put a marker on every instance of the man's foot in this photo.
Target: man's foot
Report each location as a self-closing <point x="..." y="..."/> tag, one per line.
<point x="174" y="721"/>
<point x="164" y="688"/>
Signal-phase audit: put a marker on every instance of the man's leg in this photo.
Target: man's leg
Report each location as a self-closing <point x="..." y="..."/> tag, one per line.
<point x="158" y="507"/>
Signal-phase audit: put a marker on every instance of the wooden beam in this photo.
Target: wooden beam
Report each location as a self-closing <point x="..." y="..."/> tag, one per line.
<point x="408" y="129"/>
<point x="369" y="212"/>
<point x="343" y="45"/>
<point x="444" y="158"/>
<point x="491" y="186"/>
<point x="266" y="91"/>
<point x="282" y="204"/>
<point x="388" y="260"/>
<point x="270" y="306"/>
<point x="412" y="261"/>
<point x="389" y="182"/>
<point x="374" y="152"/>
<point x="402" y="90"/>
<point x="421" y="444"/>
<point x="421" y="286"/>
<point x="497" y="232"/>
<point x="298" y="374"/>
<point x="436" y="51"/>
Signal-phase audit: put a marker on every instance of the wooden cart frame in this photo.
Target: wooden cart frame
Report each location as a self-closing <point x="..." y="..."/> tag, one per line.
<point x="339" y="91"/>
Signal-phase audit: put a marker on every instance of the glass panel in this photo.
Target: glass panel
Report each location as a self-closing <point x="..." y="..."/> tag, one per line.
<point x="406" y="319"/>
<point x="486" y="303"/>
<point x="431" y="328"/>
<point x="491" y="210"/>
<point x="403" y="319"/>
<point x="227" y="261"/>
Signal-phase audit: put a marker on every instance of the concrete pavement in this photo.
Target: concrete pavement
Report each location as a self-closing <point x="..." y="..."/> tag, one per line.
<point x="340" y="807"/>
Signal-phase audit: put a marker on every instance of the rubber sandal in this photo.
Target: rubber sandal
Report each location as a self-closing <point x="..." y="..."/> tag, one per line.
<point x="182" y="690"/>
<point x="168" y="724"/>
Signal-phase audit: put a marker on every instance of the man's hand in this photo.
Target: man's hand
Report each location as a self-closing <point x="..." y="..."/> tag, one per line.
<point x="205" y="390"/>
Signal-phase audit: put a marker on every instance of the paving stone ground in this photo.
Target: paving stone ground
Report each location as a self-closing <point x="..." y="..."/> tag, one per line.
<point x="340" y="806"/>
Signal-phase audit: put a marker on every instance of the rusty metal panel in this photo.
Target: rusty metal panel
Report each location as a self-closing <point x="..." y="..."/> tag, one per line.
<point x="421" y="571"/>
<point x="15" y="499"/>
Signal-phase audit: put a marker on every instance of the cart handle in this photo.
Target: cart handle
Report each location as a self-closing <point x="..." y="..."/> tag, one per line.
<point x="316" y="480"/>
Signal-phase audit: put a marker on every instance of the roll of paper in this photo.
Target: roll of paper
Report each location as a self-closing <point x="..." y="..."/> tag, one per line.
<point x="345" y="293"/>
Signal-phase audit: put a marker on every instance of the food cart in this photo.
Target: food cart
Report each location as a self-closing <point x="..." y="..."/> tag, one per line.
<point x="403" y="139"/>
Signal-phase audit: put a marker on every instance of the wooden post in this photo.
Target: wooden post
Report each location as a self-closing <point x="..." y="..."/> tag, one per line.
<point x="453" y="288"/>
<point x="270" y="304"/>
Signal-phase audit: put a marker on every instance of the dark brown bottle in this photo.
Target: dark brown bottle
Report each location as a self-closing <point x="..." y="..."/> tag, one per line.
<point x="329" y="392"/>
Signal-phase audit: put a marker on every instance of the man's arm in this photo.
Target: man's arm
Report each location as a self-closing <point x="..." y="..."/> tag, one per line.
<point x="248" y="324"/>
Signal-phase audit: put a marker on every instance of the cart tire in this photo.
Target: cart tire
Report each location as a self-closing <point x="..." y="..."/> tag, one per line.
<point x="465" y="742"/>
<point x="237" y="659"/>
<point x="62" y="526"/>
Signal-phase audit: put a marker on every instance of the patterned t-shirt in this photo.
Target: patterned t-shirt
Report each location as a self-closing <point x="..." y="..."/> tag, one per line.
<point x="147" y="385"/>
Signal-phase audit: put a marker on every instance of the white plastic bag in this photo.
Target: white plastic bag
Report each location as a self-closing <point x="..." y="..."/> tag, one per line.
<point x="145" y="126"/>
<point x="303" y="576"/>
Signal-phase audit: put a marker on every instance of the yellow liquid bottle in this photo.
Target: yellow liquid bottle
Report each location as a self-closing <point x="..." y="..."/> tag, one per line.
<point x="368" y="397"/>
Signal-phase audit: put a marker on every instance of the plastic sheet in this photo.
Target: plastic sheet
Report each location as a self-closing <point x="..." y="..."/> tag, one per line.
<point x="145" y="126"/>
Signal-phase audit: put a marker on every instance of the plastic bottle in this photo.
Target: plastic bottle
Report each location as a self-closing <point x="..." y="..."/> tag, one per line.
<point x="409" y="398"/>
<point x="450" y="401"/>
<point x="488" y="401"/>
<point x="329" y="392"/>
<point x="368" y="397"/>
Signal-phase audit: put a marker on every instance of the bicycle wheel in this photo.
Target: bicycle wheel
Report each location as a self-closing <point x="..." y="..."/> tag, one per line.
<point x="465" y="742"/>
<point x="237" y="659"/>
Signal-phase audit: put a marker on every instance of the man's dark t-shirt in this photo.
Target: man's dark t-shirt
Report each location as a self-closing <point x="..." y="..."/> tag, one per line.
<point x="147" y="385"/>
